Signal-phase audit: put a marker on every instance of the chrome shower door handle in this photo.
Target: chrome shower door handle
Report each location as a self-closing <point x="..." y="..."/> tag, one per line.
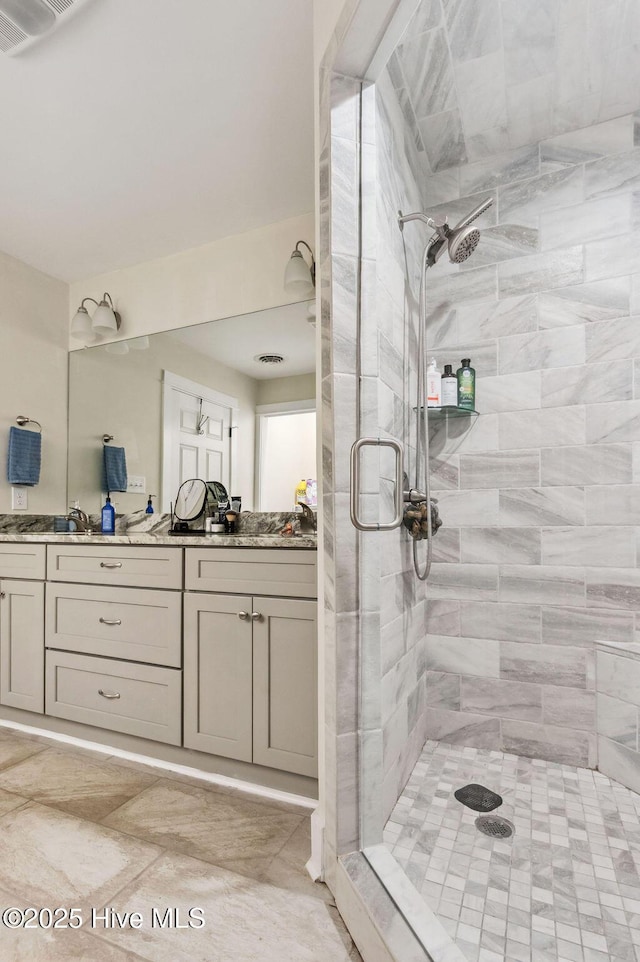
<point x="396" y="521"/>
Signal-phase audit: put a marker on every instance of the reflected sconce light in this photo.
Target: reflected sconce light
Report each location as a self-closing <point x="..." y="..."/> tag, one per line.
<point x="300" y="277"/>
<point x="105" y="321"/>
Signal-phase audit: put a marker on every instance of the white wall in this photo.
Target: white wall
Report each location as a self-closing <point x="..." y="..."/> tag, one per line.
<point x="300" y="387"/>
<point x="33" y="375"/>
<point x="231" y="276"/>
<point x="290" y="456"/>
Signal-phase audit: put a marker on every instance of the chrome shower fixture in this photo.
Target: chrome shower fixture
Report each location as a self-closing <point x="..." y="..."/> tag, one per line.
<point x="461" y="240"/>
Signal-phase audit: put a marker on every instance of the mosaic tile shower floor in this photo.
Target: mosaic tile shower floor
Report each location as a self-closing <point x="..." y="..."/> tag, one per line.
<point x="564" y="888"/>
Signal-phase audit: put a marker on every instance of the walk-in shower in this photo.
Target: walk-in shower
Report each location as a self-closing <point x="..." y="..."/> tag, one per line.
<point x="460" y="242"/>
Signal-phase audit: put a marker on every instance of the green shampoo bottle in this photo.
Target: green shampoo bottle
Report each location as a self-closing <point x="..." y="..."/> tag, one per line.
<point x="466" y="385"/>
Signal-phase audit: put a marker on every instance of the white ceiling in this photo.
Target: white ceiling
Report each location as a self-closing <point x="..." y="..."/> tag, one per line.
<point x="144" y="127"/>
<point x="235" y="341"/>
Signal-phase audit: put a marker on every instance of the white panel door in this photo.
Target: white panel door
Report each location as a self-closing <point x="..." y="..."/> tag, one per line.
<point x="197" y="438"/>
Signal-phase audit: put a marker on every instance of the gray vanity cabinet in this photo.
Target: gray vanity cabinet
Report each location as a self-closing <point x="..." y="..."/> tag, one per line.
<point x="22" y="568"/>
<point x="250" y="660"/>
<point x="285" y="685"/>
<point x="22" y="644"/>
<point x="218" y="674"/>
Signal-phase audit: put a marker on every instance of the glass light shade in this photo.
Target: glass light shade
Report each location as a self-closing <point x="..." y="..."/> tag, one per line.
<point x="297" y="277"/>
<point x="81" y="325"/>
<point x="139" y="343"/>
<point x="117" y="347"/>
<point x="104" y="320"/>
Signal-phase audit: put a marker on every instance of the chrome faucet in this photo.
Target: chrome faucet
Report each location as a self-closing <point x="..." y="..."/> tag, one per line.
<point x="308" y="521"/>
<point x="80" y="519"/>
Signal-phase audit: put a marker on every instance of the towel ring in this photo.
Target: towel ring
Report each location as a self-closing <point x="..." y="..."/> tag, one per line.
<point x="106" y="438"/>
<point x="22" y="420"/>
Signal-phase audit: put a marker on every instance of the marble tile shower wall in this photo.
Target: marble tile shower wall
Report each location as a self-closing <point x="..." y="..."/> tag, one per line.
<point x="537" y="558"/>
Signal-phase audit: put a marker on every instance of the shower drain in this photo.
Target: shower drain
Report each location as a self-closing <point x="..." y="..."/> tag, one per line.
<point x="495" y="826"/>
<point x="477" y="797"/>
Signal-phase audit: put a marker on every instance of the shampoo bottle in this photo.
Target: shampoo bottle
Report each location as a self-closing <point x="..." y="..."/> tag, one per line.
<point x="108" y="517"/>
<point x="449" y="388"/>
<point x="466" y="385"/>
<point x="433" y="385"/>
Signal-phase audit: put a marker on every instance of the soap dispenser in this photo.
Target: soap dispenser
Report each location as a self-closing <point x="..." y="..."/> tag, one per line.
<point x="108" y="525"/>
<point x="149" y="508"/>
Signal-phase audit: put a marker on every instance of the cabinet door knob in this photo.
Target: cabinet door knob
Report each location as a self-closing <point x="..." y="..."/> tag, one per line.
<point x="243" y="615"/>
<point x="255" y="616"/>
<point x="110" y="564"/>
<point x="110" y="621"/>
<point x="3" y="594"/>
<point x="108" y="694"/>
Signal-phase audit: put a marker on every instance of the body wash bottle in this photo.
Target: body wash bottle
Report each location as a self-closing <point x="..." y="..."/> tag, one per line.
<point x="449" y="388"/>
<point x="466" y="385"/>
<point x="108" y="525"/>
<point x="433" y="385"/>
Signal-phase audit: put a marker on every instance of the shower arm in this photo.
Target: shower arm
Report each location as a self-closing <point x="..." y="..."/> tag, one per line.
<point x="440" y="225"/>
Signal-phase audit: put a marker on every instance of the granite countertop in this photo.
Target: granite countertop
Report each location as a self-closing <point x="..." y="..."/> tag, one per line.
<point x="266" y="540"/>
<point x="256" y="530"/>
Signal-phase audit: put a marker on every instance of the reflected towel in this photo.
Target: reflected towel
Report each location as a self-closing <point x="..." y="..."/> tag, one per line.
<point x="115" y="469"/>
<point x="23" y="463"/>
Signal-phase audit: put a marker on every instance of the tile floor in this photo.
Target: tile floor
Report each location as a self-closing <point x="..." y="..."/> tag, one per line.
<point x="564" y="888"/>
<point x="85" y="830"/>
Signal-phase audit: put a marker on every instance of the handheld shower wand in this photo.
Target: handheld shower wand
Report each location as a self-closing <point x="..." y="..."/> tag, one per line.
<point x="461" y="241"/>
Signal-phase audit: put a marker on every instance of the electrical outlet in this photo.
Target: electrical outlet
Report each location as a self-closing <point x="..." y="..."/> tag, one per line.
<point x="137" y="483"/>
<point x="19" y="499"/>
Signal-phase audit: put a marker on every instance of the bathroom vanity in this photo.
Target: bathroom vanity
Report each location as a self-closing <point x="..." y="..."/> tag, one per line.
<point x="202" y="654"/>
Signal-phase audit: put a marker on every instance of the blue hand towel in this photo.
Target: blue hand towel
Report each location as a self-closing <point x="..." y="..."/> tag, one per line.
<point x="23" y="464"/>
<point x="115" y="469"/>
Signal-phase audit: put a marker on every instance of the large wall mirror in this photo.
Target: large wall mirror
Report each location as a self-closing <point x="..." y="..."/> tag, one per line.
<point x="231" y="400"/>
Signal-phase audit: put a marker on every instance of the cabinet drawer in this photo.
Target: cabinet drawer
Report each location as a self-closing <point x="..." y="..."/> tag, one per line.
<point x="136" y="699"/>
<point x="286" y="572"/>
<point x="22" y="561"/>
<point x="135" y="624"/>
<point x="120" y="565"/>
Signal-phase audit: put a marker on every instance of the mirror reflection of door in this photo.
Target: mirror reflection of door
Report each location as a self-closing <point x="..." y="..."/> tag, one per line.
<point x="197" y="435"/>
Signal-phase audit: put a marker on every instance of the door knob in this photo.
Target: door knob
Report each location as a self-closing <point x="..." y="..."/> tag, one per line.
<point x="255" y="616"/>
<point x="243" y="615"/>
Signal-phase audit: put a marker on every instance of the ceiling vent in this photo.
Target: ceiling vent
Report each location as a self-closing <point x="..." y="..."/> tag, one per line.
<point x="24" y="22"/>
<point x="269" y="358"/>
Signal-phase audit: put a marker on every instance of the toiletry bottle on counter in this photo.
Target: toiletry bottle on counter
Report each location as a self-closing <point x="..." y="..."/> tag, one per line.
<point x="449" y="388"/>
<point x="433" y="385"/>
<point x="466" y="385"/>
<point x="108" y="518"/>
<point x="149" y="508"/>
<point x="301" y="494"/>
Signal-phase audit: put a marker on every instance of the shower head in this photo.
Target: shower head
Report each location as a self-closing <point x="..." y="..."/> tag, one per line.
<point x="461" y="240"/>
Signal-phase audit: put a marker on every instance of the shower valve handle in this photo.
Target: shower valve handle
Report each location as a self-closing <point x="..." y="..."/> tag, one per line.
<point x="413" y="497"/>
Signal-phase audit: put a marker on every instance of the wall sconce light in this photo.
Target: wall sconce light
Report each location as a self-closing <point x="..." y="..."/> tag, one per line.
<point x="106" y="320"/>
<point x="300" y="277"/>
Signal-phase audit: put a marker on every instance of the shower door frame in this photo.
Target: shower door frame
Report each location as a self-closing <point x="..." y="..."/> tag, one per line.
<point x="382" y="909"/>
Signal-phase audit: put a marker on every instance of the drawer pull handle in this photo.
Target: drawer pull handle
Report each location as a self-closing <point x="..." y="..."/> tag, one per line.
<point x="255" y="616"/>
<point x="108" y="694"/>
<point x="110" y="621"/>
<point x="243" y="615"/>
<point x="110" y="564"/>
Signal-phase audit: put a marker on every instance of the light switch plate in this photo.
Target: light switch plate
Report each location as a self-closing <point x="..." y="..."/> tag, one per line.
<point x="19" y="499"/>
<point x="137" y="483"/>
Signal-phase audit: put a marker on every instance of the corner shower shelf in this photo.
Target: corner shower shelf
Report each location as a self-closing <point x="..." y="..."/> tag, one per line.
<point x="450" y="411"/>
